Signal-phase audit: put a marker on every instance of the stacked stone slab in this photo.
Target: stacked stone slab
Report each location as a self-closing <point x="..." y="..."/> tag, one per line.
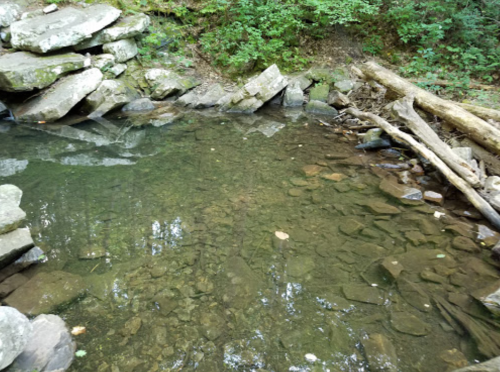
<point x="14" y="241"/>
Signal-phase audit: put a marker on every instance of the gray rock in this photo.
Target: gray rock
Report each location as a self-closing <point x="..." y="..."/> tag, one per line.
<point x="110" y="95"/>
<point x="294" y="96"/>
<point x="141" y="104"/>
<point x="61" y="29"/>
<point x="214" y="93"/>
<point x="15" y="331"/>
<point x="57" y="101"/>
<point x="302" y="81"/>
<point x="103" y="61"/>
<point x="34" y="255"/>
<point x="126" y="28"/>
<point x="11" y="284"/>
<point x="492" y="365"/>
<point x="11" y="217"/>
<point x="338" y="100"/>
<point x="46" y="292"/>
<point x="11" y="194"/>
<point x="363" y="293"/>
<point x="24" y="71"/>
<point x="9" y="13"/>
<point x="167" y="83"/>
<point x="408" y="323"/>
<point x="380" y="353"/>
<point x="4" y="110"/>
<point x="299" y="267"/>
<point x="50" y="347"/>
<point x="118" y="69"/>
<point x="13" y="244"/>
<point x="123" y="50"/>
<point x="320" y="108"/>
<point x="255" y="93"/>
<point x="492" y="302"/>
<point x="188" y="99"/>
<point x="50" y="9"/>
<point x="32" y="14"/>
<point x="344" y="86"/>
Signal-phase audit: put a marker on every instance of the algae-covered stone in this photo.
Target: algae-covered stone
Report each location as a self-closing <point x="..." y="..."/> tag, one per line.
<point x="126" y="28"/>
<point x="110" y="95"/>
<point x="242" y="284"/>
<point x="380" y="353"/>
<point x="46" y="292"/>
<point x="58" y="100"/>
<point x="9" y="13"/>
<point x="464" y="244"/>
<point x="103" y="61"/>
<point x="299" y="267"/>
<point x="409" y="324"/>
<point x="91" y="252"/>
<point x="319" y="93"/>
<point x="321" y="108"/>
<point x="344" y="86"/>
<point x="414" y="295"/>
<point x="24" y="71"/>
<point x="363" y="293"/>
<point x="123" y="50"/>
<point x="61" y="29"/>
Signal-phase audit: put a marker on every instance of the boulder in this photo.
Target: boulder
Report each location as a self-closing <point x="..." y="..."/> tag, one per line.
<point x="46" y="292"/>
<point x="50" y="347"/>
<point x="13" y="244"/>
<point x="58" y="100"/>
<point x="141" y="104"/>
<point x="11" y="284"/>
<point x="118" y="69"/>
<point x="214" y="93"/>
<point x="294" y="96"/>
<point x="255" y="93"/>
<point x="110" y="95"/>
<point x="24" y="71"/>
<point x="344" y="86"/>
<point x="103" y="61"/>
<point x="126" y="28"/>
<point x="492" y="365"/>
<point x="11" y="217"/>
<point x="11" y="194"/>
<point x="34" y="255"/>
<point x="320" y="108"/>
<point x="9" y="13"/>
<point x="15" y="331"/>
<point x="167" y="83"/>
<point x="123" y="50"/>
<point x="61" y="29"/>
<point x="188" y="100"/>
<point x="319" y="93"/>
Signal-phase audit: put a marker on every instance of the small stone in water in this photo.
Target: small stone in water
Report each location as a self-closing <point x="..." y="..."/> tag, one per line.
<point x="281" y="235"/>
<point x="311" y="357"/>
<point x="441" y="256"/>
<point x="78" y="330"/>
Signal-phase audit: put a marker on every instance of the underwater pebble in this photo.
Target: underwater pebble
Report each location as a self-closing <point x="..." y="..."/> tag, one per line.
<point x="311" y="357"/>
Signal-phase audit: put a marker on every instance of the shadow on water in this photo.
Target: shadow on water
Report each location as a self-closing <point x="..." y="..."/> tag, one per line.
<point x="185" y="269"/>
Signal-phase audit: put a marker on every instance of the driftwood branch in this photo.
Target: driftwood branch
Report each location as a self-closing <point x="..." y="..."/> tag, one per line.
<point x="487" y="210"/>
<point x="404" y="112"/>
<point x="476" y="128"/>
<point x="446" y="83"/>
<point x="482" y="112"/>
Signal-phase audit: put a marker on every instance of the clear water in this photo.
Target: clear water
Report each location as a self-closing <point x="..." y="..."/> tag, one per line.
<point x="194" y="277"/>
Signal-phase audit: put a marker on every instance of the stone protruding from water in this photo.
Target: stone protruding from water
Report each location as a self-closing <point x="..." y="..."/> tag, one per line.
<point x="380" y="353"/>
<point x="61" y="29"/>
<point x="50" y="347"/>
<point x="255" y="93"/>
<point x="15" y="330"/>
<point x="110" y="95"/>
<point x="61" y="98"/>
<point x="126" y="28"/>
<point x="24" y="71"/>
<point x="167" y="83"/>
<point x="294" y="96"/>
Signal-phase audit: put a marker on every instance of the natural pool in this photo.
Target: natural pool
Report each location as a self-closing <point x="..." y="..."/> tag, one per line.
<point x="193" y="276"/>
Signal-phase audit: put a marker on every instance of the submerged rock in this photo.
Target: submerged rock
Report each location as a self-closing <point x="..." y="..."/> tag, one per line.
<point x="409" y="324"/>
<point x="407" y="195"/>
<point x="242" y="285"/>
<point x="15" y="331"/>
<point x="255" y="93"/>
<point x="126" y="28"/>
<point x="60" y="99"/>
<point x="319" y="93"/>
<point x="46" y="292"/>
<point x="214" y="93"/>
<point x="492" y="365"/>
<point x="110" y="95"/>
<point x="61" y="29"/>
<point x="141" y="104"/>
<point x="299" y="267"/>
<point x="380" y="353"/>
<point x="122" y="50"/>
<point x="24" y="71"/>
<point x="320" y="108"/>
<point x="363" y="293"/>
<point x="13" y="244"/>
<point x="91" y="252"/>
<point x="50" y="347"/>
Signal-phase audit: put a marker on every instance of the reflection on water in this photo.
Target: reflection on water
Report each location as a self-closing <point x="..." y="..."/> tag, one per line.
<point x="191" y="275"/>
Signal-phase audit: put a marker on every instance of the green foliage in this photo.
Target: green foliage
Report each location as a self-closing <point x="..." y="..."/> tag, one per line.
<point x="255" y="33"/>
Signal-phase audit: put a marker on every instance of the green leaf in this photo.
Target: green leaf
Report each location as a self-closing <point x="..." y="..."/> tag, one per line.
<point x="80" y="353"/>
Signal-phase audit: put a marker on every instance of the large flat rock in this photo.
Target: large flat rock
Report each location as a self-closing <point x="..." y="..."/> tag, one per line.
<point x="166" y="83"/>
<point x="13" y="245"/>
<point x="125" y="28"/>
<point x="15" y="330"/>
<point x="46" y="292"/>
<point x="59" y="99"/>
<point x="50" y="347"/>
<point x="110" y="95"/>
<point x="24" y="71"/>
<point x="122" y="50"/>
<point x="61" y="29"/>
<point x="11" y="217"/>
<point x="11" y="194"/>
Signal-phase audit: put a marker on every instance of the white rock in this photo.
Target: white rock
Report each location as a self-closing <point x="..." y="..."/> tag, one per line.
<point x="492" y="184"/>
<point x="15" y="330"/>
<point x="110" y="95"/>
<point x="10" y="194"/>
<point x="123" y="50"/>
<point x="118" y="69"/>
<point x="9" y="13"/>
<point x="50" y="9"/>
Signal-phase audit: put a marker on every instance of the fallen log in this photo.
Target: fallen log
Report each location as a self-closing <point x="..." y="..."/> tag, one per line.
<point x="477" y="201"/>
<point x="403" y="111"/>
<point x="476" y="128"/>
<point x="446" y="83"/>
<point x="491" y="161"/>
<point x="483" y="112"/>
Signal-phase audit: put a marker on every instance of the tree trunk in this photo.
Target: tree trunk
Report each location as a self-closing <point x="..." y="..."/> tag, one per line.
<point x="482" y="112"/>
<point x="476" y="128"/>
